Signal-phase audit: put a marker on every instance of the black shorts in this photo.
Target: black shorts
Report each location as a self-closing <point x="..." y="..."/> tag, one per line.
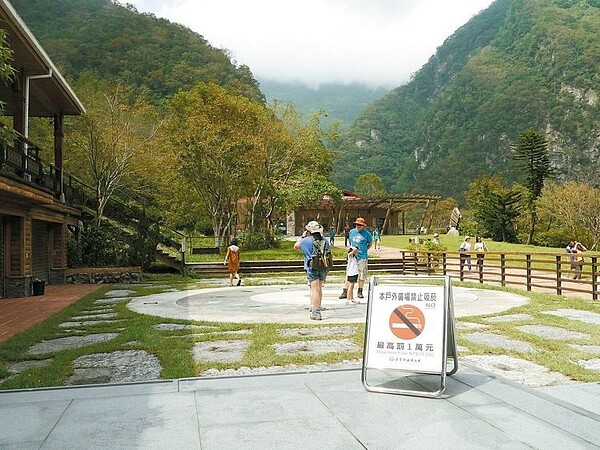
<point x="352" y="278"/>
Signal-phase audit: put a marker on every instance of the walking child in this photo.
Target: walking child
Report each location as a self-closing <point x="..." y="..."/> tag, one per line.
<point x="351" y="276"/>
<point x="232" y="261"/>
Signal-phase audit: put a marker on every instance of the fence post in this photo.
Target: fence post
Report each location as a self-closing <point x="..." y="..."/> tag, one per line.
<point x="594" y="278"/>
<point x="429" y="264"/>
<point x="444" y="263"/>
<point x="503" y="269"/>
<point x="403" y="261"/>
<point x="480" y="267"/>
<point x="528" y="257"/>
<point x="558" y="275"/>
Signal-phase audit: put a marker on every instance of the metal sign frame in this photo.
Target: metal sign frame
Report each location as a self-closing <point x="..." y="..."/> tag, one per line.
<point x="402" y="328"/>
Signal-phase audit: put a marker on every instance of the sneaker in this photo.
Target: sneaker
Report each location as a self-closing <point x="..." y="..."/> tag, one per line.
<point x="352" y="303"/>
<point x="319" y="308"/>
<point x="315" y="315"/>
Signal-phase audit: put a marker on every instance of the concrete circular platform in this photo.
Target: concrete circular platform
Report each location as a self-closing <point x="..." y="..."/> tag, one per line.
<point x="289" y="304"/>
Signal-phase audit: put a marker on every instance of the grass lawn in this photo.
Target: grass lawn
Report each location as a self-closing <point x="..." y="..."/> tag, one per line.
<point x="173" y="348"/>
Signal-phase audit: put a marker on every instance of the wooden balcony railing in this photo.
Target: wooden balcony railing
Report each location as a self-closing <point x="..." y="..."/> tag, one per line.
<point x="540" y="272"/>
<point x="23" y="161"/>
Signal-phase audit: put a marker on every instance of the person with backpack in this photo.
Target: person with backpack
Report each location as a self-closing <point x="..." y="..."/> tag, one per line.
<point x="317" y="263"/>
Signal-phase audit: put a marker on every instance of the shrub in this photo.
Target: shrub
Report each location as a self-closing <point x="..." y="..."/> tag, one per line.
<point x="95" y="247"/>
<point x="260" y="241"/>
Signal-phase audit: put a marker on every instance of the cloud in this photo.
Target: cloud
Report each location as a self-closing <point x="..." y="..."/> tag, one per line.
<point x="377" y="42"/>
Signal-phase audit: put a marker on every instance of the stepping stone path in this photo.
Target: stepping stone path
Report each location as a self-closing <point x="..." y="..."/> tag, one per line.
<point x="116" y="367"/>
<point x="593" y="349"/>
<point x="555" y="333"/>
<point x="518" y="370"/>
<point x="590" y="364"/>
<point x="495" y="340"/>
<point x="111" y="301"/>
<point x="26" y="365"/>
<point x="320" y="331"/>
<point x="470" y="326"/>
<point x="108" y="315"/>
<point x="177" y="327"/>
<point x="316" y="347"/>
<point x="220" y="351"/>
<point x="56" y="345"/>
<point x="508" y="318"/>
<point x="119" y="293"/>
<point x="88" y="323"/>
<point x="576" y="314"/>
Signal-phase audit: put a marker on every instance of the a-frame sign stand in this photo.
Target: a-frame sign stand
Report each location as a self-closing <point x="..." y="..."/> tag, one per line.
<point x="410" y="329"/>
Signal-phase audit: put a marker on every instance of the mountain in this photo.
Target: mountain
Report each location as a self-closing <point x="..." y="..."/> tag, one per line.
<point x="110" y="41"/>
<point x="518" y="64"/>
<point x="342" y="102"/>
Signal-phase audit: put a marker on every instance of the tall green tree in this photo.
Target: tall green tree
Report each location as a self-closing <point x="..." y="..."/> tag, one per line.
<point x="215" y="136"/>
<point x="370" y="185"/>
<point x="494" y="206"/>
<point x="531" y="156"/>
<point x="111" y="145"/>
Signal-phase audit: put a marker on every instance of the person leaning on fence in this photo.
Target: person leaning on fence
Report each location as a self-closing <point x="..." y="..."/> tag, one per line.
<point x="464" y="249"/>
<point x="480" y="247"/>
<point x="569" y="249"/>
<point x="577" y="257"/>
<point x="316" y="276"/>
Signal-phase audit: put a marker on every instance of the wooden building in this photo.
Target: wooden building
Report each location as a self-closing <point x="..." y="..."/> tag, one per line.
<point x="35" y="208"/>
<point x="385" y="213"/>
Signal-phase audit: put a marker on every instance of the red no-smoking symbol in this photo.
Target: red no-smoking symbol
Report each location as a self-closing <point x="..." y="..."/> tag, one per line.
<point x="407" y="322"/>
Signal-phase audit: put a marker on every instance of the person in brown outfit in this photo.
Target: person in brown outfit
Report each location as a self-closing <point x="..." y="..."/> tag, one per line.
<point x="232" y="261"/>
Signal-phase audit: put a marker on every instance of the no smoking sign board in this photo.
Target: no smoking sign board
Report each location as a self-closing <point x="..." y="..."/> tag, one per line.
<point x="406" y="329"/>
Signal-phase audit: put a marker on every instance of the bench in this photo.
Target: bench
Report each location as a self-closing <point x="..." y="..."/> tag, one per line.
<point x="205" y="250"/>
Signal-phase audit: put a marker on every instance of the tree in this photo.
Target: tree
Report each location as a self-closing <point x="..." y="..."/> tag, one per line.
<point x="215" y="136"/>
<point x="574" y="208"/>
<point x="531" y="155"/>
<point x="370" y="185"/>
<point x="6" y="70"/>
<point x="111" y="143"/>
<point x="494" y="206"/>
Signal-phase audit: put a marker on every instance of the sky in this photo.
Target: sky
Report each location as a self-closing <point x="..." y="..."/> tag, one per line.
<point x="376" y="42"/>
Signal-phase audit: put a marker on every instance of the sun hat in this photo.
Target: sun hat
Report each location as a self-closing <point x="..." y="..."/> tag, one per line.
<point x="314" y="227"/>
<point x="360" y="221"/>
<point x="467" y="238"/>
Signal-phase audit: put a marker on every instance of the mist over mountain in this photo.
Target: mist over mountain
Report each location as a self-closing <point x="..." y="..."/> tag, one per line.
<point x="518" y="64"/>
<point x="342" y="102"/>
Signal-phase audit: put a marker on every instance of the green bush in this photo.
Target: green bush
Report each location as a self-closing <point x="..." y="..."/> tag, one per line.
<point x="96" y="247"/>
<point x="260" y="241"/>
<point x="553" y="238"/>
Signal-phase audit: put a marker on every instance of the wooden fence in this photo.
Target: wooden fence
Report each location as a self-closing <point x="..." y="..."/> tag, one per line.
<point x="541" y="272"/>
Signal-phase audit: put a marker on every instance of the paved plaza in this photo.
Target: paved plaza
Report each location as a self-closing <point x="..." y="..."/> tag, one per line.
<point x="314" y="406"/>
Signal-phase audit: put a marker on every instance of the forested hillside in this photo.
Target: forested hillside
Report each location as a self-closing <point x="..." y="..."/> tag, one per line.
<point x="343" y="102"/>
<point x="518" y="64"/>
<point x="112" y="41"/>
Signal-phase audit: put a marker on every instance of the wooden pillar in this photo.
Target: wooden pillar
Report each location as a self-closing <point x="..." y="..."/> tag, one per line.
<point x="58" y="151"/>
